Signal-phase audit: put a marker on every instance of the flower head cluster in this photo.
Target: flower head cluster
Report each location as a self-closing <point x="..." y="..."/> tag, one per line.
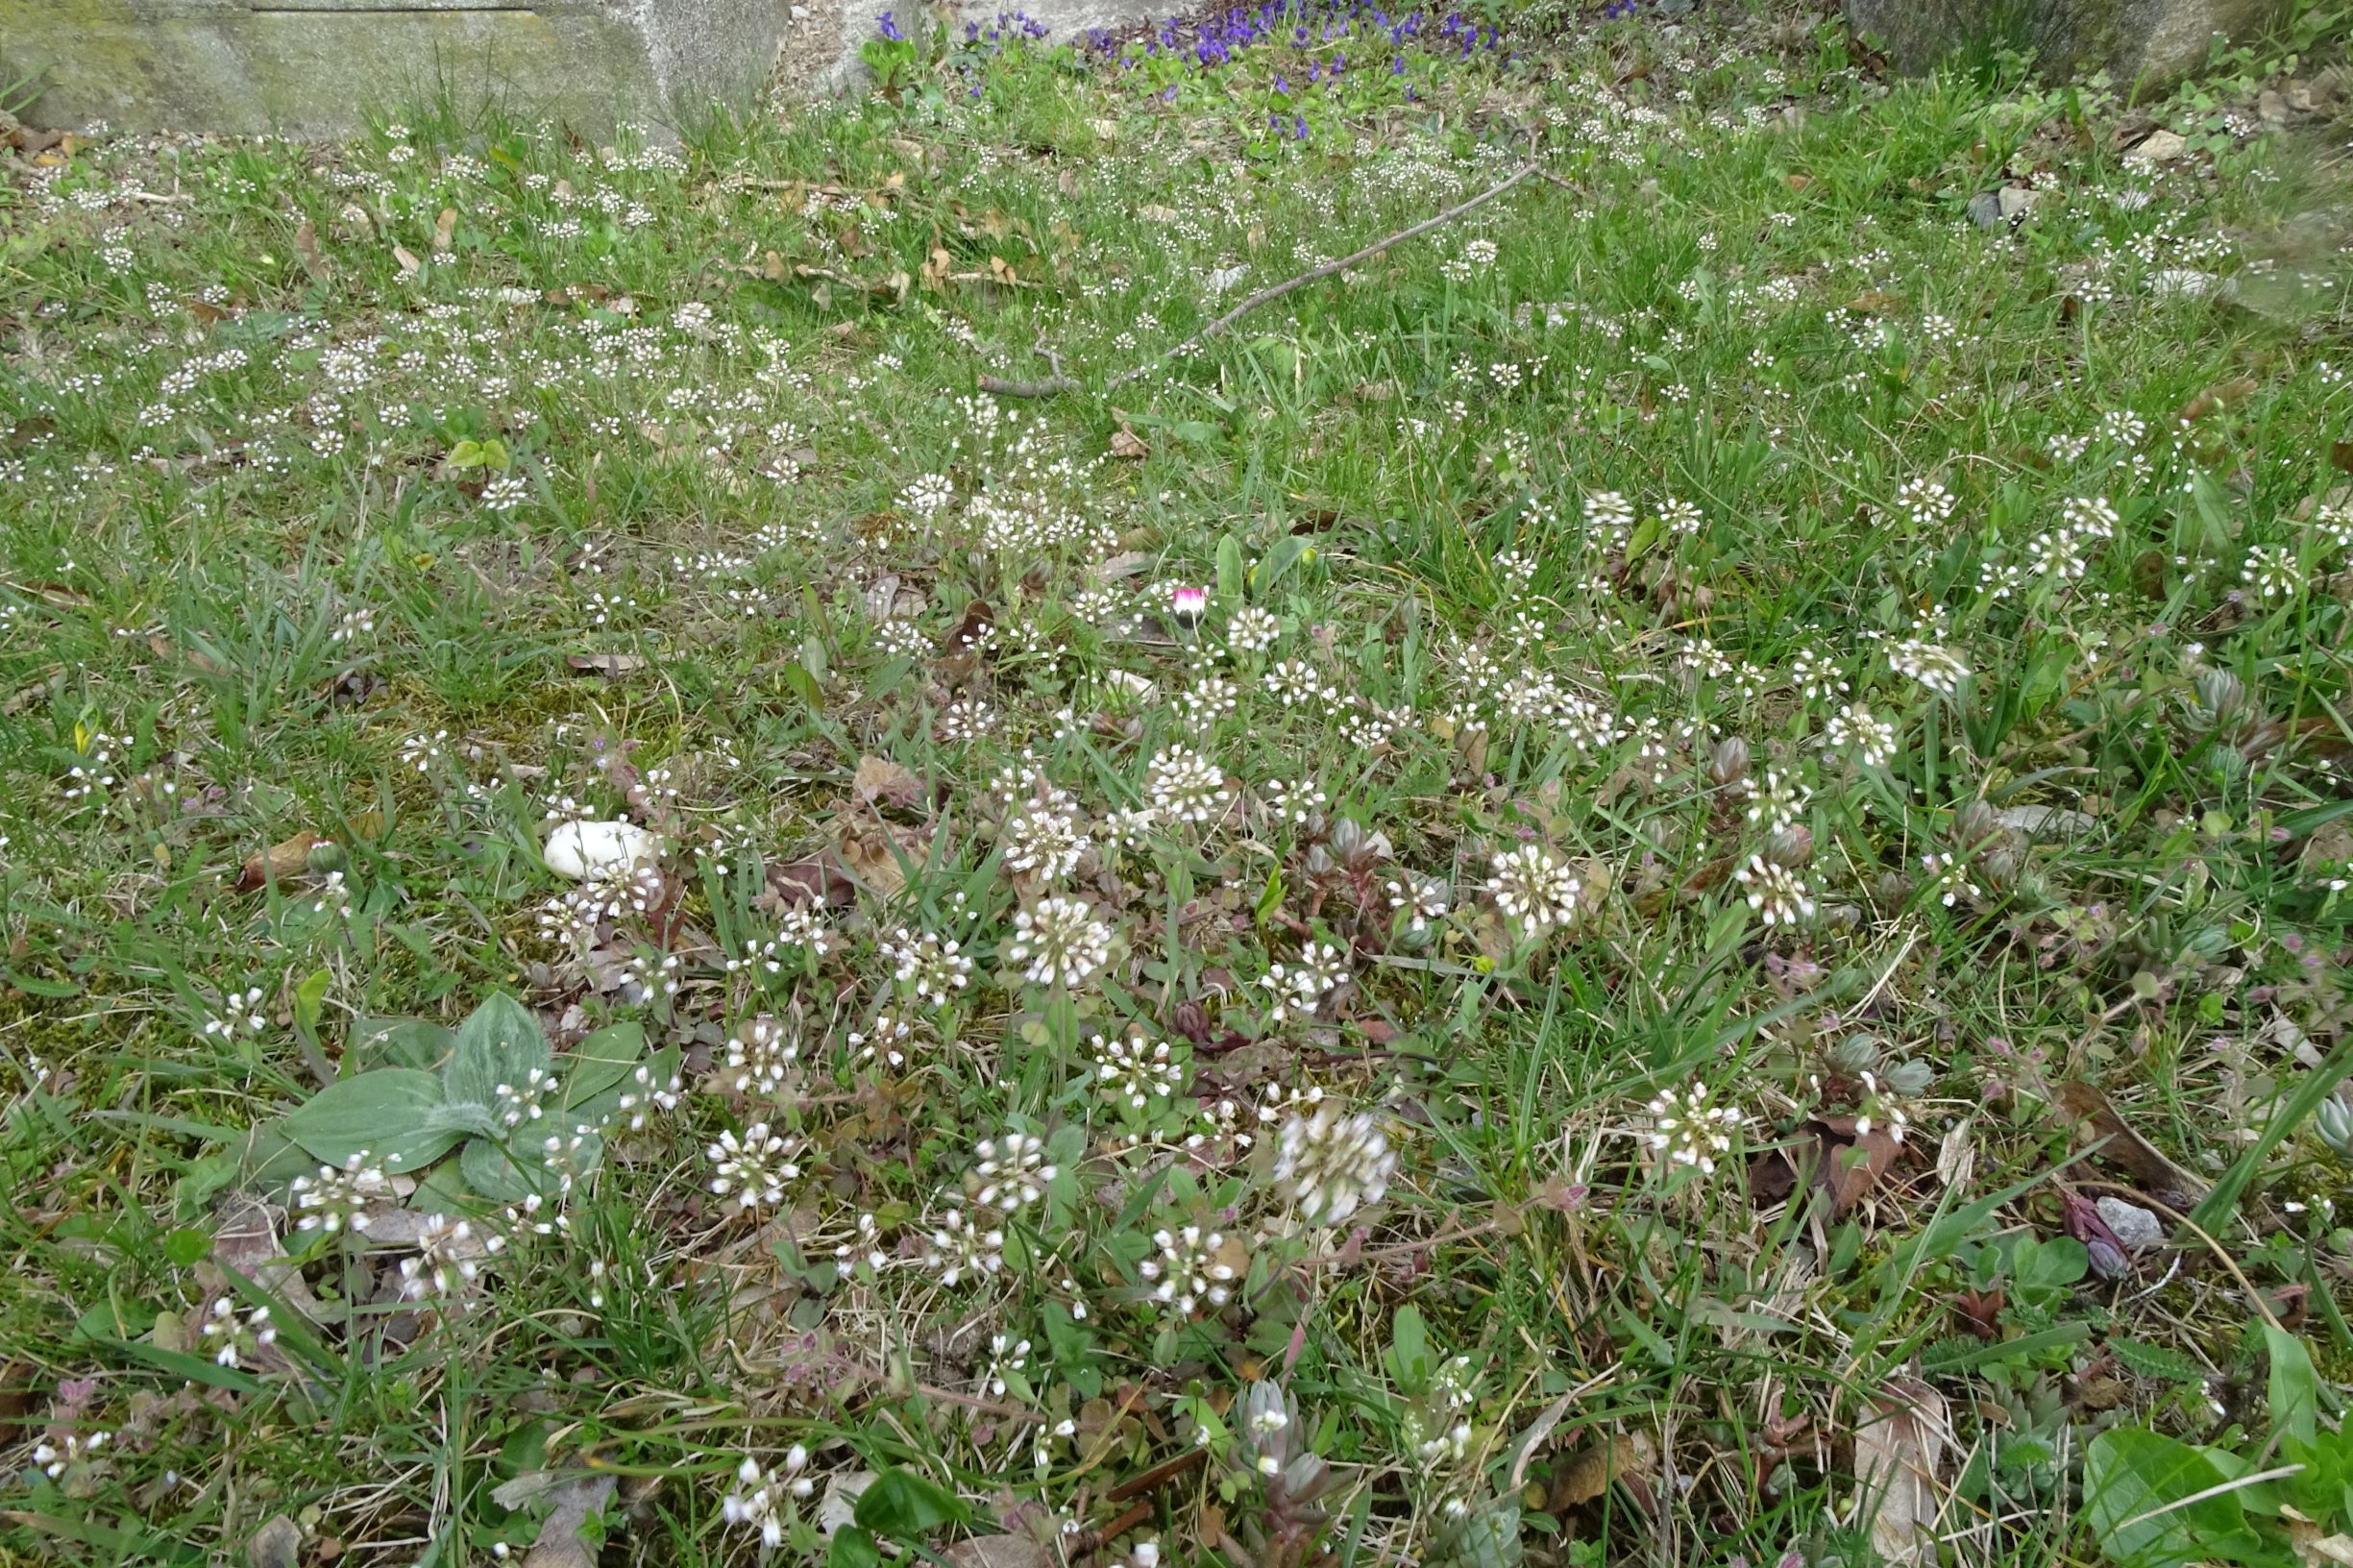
<point x="1332" y="1163"/>
<point x="1933" y="665"/>
<point x="1011" y="1171"/>
<point x="755" y="1167"/>
<point x="1299" y="988"/>
<point x="1136" y="1070"/>
<point x="1534" y="886"/>
<point x="1191" y="1270"/>
<point x="1856" y="731"/>
<point x="1779" y="893"/>
<point x="760" y="1054"/>
<point x="753" y="1502"/>
<point x="449" y="1256"/>
<point x="334" y="1197"/>
<point x="1184" y="786"/>
<point x="932" y="968"/>
<point x="238" y="1337"/>
<point x="1060" y="943"/>
<point x="961" y="1245"/>
<point x="1689" y="1131"/>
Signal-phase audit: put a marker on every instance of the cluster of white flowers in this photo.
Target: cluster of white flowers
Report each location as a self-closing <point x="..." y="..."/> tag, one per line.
<point x="1332" y="1163"/>
<point x="1535" y="888"/>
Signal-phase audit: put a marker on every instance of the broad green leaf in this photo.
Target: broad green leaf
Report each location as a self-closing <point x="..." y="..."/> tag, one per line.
<point x="1276" y="564"/>
<point x="398" y="1043"/>
<point x="2134" y="1482"/>
<point x="853" y="1548"/>
<point x="500" y="1043"/>
<point x="309" y="1000"/>
<point x="2296" y="1388"/>
<point x="1408" y="1350"/>
<point x="901" y="1502"/>
<point x="600" y="1061"/>
<point x="511" y="1173"/>
<point x="389" y="1114"/>
<point x="1229" y="571"/>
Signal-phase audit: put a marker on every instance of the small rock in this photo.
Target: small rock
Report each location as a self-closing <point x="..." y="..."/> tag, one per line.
<point x="800" y="14"/>
<point x="1985" y="210"/>
<point x="2135" y="1226"/>
<point x="2298" y="97"/>
<point x="2182" y="283"/>
<point x="2158" y="147"/>
<point x="581" y="850"/>
<point x="2017" y="201"/>
<point x="277" y="1544"/>
<point x="2272" y="108"/>
<point x="2047" y="822"/>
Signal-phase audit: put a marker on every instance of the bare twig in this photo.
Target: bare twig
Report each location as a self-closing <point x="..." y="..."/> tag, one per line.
<point x="1059" y="383"/>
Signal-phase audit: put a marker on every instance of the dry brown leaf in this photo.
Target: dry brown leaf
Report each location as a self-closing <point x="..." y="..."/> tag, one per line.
<point x="881" y="782"/>
<point x="1002" y="1552"/>
<point x="1126" y="442"/>
<point x="812" y="879"/>
<point x="280" y="862"/>
<point x="407" y="260"/>
<point x="306" y="251"/>
<point x="1836" y="1170"/>
<point x="1873" y="304"/>
<point x="1895" y="1458"/>
<point x="875" y="856"/>
<point x="559" y="1544"/>
<point x="2220" y="395"/>
<point x="445" y="228"/>
<point x="606" y="664"/>
<point x="971" y="629"/>
<point x="2318" y="1551"/>
<point x="2158" y="1176"/>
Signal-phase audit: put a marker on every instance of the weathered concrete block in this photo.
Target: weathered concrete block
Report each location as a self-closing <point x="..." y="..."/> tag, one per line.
<point x="314" y="68"/>
<point x="2144" y="41"/>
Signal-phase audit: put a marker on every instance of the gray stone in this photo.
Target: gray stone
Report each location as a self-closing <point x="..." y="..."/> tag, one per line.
<point x="2155" y="148"/>
<point x="2141" y="44"/>
<point x="311" y="67"/>
<point x="2135" y="1226"/>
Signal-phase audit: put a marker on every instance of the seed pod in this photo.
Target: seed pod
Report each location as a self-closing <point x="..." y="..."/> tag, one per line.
<point x="2333" y="1120"/>
<point x="1856" y="1054"/>
<point x="1792" y="847"/>
<point x="1728" y="763"/>
<point x="2222" y="693"/>
<point x="1974" y="823"/>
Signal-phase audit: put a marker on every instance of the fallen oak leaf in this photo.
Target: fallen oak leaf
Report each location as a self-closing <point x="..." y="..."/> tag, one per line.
<point x="445" y="228"/>
<point x="2160" y="1177"/>
<point x="1895" y="1458"/>
<point x="560" y="1545"/>
<point x="881" y="782"/>
<point x="280" y="862"/>
<point x="1842" y="1162"/>
<point x="1127" y="444"/>
<point x="606" y="664"/>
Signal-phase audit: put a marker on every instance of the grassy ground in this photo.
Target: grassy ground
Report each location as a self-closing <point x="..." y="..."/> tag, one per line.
<point x="1750" y="749"/>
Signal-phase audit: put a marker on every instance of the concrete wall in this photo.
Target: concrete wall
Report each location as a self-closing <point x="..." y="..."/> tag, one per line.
<point x="313" y="67"/>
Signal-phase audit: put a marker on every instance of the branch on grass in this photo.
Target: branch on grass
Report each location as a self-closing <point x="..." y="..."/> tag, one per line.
<point x="1059" y="383"/>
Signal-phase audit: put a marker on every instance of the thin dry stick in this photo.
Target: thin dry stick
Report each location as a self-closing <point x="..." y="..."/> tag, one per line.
<point x="1053" y="384"/>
